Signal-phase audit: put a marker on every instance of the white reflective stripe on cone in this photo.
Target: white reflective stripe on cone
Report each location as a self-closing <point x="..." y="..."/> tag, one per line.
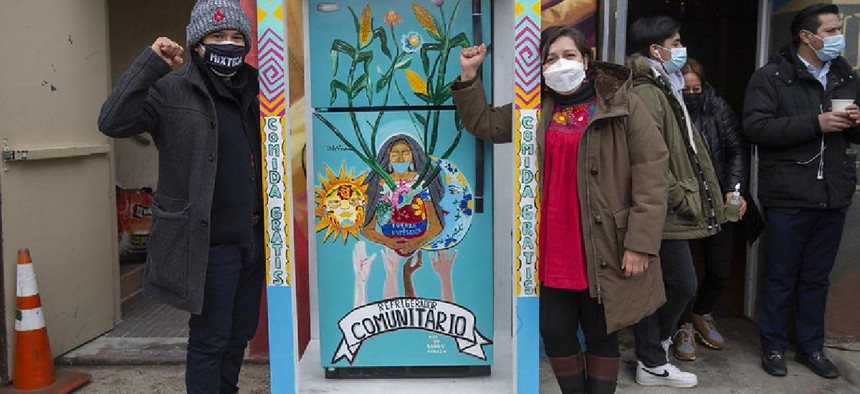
<point x="29" y="319"/>
<point x="26" y="281"/>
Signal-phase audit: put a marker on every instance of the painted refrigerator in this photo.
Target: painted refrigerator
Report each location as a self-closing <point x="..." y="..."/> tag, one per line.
<point x="403" y="202"/>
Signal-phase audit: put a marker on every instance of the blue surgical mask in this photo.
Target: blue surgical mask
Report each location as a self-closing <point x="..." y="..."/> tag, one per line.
<point x="833" y="47"/>
<point x="400" y="167"/>
<point x="678" y="59"/>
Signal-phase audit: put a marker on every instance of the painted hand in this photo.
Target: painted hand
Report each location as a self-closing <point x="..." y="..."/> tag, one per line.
<point x="361" y="262"/>
<point x="391" y="261"/>
<point x="442" y="263"/>
<point x="409" y="268"/>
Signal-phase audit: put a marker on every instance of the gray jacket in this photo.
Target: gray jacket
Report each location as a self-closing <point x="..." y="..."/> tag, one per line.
<point x="177" y="110"/>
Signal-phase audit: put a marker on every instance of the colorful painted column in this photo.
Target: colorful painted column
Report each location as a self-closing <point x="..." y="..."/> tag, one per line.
<point x="271" y="47"/>
<point x="527" y="28"/>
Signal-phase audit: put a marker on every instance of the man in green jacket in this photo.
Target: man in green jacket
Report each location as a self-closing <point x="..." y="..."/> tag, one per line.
<point x="695" y="208"/>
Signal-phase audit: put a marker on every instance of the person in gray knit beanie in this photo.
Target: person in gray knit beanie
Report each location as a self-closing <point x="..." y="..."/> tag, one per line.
<point x="209" y="16"/>
<point x="206" y="254"/>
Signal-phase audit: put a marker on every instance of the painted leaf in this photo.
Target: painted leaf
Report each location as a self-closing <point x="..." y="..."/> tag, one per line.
<point x="404" y="64"/>
<point x="425" y="61"/>
<point x="426" y="20"/>
<point x="335" y="86"/>
<point x="339" y="46"/>
<point x="425" y="55"/>
<point x="366" y="57"/>
<point x="383" y="41"/>
<point x="460" y="40"/>
<point x="418" y="84"/>
<point x="333" y="56"/>
<point x="425" y="98"/>
<point x="364" y="27"/>
<point x="382" y="82"/>
<point x="358" y="85"/>
<point x="421" y="119"/>
<point x="443" y="95"/>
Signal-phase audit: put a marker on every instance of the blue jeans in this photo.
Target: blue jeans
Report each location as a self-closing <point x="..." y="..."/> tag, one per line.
<point x="218" y="336"/>
<point x="802" y="246"/>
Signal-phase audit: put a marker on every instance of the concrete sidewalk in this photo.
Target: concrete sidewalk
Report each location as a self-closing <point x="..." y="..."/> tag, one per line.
<point x="732" y="370"/>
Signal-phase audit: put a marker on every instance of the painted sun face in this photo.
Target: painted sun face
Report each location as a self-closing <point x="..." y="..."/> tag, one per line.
<point x="340" y="204"/>
<point x="344" y="206"/>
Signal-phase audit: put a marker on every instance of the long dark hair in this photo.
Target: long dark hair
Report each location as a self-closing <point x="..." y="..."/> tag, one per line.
<point x="419" y="160"/>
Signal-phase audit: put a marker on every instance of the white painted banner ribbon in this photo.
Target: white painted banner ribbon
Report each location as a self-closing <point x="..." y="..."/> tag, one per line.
<point x="394" y="314"/>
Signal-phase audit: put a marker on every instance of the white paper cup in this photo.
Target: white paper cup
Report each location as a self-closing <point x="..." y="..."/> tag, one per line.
<point x="839" y="105"/>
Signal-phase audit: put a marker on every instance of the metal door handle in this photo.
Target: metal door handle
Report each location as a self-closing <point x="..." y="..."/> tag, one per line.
<point x="9" y="154"/>
<point x="479" y="176"/>
<point x="479" y="145"/>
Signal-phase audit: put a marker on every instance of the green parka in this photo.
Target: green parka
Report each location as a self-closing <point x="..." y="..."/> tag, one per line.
<point x="696" y="206"/>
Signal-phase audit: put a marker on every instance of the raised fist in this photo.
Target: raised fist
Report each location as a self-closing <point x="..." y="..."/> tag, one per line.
<point x="169" y="51"/>
<point x="470" y="60"/>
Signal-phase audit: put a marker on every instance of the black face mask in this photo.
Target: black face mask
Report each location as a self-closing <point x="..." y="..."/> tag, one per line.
<point x="224" y="59"/>
<point x="694" y="102"/>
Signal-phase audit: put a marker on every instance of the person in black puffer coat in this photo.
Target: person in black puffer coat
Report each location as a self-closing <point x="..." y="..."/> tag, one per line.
<point x="728" y="149"/>
<point x="807" y="179"/>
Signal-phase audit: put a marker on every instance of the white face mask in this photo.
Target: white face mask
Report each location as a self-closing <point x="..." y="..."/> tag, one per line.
<point x="564" y="75"/>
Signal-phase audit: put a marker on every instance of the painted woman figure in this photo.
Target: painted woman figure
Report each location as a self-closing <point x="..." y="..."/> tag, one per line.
<point x="409" y="216"/>
<point x="602" y="165"/>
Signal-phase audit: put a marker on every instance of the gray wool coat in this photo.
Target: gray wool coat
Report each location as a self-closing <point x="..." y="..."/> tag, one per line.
<point x="178" y="111"/>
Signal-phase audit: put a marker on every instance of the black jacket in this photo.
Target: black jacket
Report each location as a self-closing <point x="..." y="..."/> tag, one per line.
<point x="781" y="111"/>
<point x="726" y="143"/>
<point x="177" y="109"/>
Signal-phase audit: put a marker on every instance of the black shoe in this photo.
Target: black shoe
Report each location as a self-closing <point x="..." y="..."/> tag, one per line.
<point x="773" y="362"/>
<point x="818" y="363"/>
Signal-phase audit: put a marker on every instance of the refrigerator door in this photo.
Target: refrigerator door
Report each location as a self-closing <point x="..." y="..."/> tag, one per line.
<point x="389" y="53"/>
<point x="405" y="263"/>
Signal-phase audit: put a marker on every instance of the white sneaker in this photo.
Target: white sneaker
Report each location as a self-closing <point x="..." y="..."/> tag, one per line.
<point x="664" y="375"/>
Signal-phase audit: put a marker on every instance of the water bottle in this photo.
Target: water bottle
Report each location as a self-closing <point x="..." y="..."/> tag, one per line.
<point x="733" y="208"/>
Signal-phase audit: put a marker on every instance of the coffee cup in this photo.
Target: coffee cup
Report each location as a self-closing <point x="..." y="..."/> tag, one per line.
<point x="839" y="105"/>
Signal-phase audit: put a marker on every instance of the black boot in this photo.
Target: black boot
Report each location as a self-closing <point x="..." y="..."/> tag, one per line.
<point x="602" y="374"/>
<point x="569" y="371"/>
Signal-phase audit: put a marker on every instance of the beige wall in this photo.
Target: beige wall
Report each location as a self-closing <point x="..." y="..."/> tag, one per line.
<point x="134" y="25"/>
<point x="61" y="206"/>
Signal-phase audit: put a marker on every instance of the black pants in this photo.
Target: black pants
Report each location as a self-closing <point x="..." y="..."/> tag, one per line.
<point x="679" y="279"/>
<point x="717" y="252"/>
<point x="562" y="312"/>
<point x="218" y="336"/>
<point x="802" y="246"/>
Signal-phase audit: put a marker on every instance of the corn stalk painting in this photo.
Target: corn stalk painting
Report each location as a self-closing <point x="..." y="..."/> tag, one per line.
<point x="403" y="51"/>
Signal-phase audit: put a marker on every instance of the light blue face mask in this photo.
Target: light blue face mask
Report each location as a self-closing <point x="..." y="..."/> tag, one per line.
<point x="678" y="59"/>
<point x="833" y="47"/>
<point x="400" y="167"/>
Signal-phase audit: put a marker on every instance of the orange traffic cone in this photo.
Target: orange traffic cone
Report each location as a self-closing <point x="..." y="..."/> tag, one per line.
<point x="34" y="367"/>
